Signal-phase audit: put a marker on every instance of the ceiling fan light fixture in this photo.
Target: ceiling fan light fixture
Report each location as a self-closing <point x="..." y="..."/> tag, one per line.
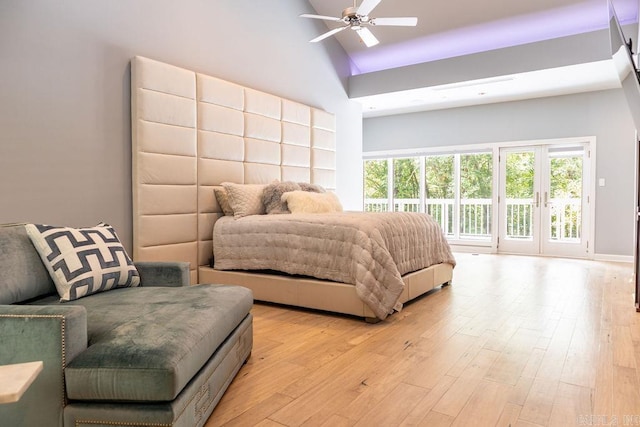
<point x="357" y="18"/>
<point x="349" y="12"/>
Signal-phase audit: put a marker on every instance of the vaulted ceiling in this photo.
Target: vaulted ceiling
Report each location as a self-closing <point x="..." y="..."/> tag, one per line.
<point x="460" y="27"/>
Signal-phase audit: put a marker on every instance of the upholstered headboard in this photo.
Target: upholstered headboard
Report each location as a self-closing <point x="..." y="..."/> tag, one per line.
<point x="190" y="133"/>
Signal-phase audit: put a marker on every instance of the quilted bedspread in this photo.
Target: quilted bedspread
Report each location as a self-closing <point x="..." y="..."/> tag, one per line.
<point x="369" y="250"/>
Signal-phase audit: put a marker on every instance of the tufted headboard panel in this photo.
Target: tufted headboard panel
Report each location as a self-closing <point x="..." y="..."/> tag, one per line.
<point x="323" y="153"/>
<point x="192" y="132"/>
<point x="164" y="162"/>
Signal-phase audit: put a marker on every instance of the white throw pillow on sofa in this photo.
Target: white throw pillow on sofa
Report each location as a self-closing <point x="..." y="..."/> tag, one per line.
<point x="83" y="261"/>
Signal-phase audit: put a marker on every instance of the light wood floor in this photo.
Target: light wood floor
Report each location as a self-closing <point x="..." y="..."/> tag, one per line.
<point x="515" y="341"/>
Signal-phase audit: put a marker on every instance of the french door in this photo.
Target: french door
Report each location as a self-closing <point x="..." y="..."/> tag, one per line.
<point x="543" y="202"/>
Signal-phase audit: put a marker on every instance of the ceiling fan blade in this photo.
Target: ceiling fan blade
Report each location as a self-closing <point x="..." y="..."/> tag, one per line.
<point x="402" y="22"/>
<point x="367" y="6"/>
<point x="327" y="34"/>
<point x="367" y="37"/>
<point x="326" y="18"/>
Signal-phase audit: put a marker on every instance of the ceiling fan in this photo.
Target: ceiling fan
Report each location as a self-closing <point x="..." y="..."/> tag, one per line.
<point x="357" y="18"/>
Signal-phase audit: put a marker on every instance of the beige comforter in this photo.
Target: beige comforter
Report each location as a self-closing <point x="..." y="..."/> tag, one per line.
<point x="370" y="250"/>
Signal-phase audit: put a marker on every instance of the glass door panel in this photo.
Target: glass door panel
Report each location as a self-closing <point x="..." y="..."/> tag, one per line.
<point x="520" y="200"/>
<point x="564" y="201"/>
<point x="543" y="200"/>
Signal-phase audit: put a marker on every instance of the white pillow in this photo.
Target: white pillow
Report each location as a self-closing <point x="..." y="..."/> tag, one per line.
<point x="245" y="199"/>
<point x="308" y="202"/>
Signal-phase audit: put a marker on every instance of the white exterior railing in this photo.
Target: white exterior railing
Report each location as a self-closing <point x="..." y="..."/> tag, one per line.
<point x="475" y="213"/>
<point x="519" y="218"/>
<point x="566" y="219"/>
<point x="476" y="216"/>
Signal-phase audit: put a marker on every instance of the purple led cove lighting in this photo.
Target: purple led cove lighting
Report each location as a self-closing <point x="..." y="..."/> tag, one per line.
<point x="627" y="11"/>
<point x="588" y="16"/>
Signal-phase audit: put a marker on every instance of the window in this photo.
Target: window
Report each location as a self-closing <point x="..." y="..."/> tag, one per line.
<point x="455" y="189"/>
<point x="376" y="183"/>
<point x="406" y="185"/>
<point x="440" y="192"/>
<point x="476" y="193"/>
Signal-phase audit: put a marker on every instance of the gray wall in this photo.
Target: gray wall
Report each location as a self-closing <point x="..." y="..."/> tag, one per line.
<point x="602" y="114"/>
<point x="64" y="91"/>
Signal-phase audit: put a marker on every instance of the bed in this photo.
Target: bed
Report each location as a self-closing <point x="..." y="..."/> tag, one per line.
<point x="192" y="132"/>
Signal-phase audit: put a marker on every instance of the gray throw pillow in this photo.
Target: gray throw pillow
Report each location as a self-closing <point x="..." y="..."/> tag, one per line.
<point x="314" y="188"/>
<point x="272" y="196"/>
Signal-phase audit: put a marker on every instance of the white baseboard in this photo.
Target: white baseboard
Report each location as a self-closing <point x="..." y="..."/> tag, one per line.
<point x="490" y="250"/>
<point x="613" y="258"/>
<point x="473" y="249"/>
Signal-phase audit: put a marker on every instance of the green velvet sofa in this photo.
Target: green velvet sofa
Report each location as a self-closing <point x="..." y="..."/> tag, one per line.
<point x="160" y="354"/>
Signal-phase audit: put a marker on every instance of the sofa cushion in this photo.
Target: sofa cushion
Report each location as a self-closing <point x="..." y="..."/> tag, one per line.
<point x="146" y="344"/>
<point x="83" y="261"/>
<point x="24" y="277"/>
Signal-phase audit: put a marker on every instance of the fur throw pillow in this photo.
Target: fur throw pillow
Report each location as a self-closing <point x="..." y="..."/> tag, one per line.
<point x="314" y="188"/>
<point x="309" y="202"/>
<point x="272" y="196"/>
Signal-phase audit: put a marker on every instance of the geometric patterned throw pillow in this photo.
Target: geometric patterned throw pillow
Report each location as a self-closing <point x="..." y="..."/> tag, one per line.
<point x="83" y="261"/>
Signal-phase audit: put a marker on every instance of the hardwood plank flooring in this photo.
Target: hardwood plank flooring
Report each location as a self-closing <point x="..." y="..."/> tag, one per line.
<point x="514" y="341"/>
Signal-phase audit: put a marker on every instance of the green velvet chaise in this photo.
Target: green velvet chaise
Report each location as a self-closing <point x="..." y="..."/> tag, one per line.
<point x="159" y="354"/>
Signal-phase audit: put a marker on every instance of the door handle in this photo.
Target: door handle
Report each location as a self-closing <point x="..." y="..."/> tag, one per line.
<point x="537" y="199"/>
<point x="546" y="199"/>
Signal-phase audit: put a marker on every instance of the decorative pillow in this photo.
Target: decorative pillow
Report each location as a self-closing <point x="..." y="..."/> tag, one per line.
<point x="314" y="188"/>
<point x="83" y="261"/>
<point x="272" y="196"/>
<point x="245" y="199"/>
<point x="223" y="200"/>
<point x="309" y="202"/>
